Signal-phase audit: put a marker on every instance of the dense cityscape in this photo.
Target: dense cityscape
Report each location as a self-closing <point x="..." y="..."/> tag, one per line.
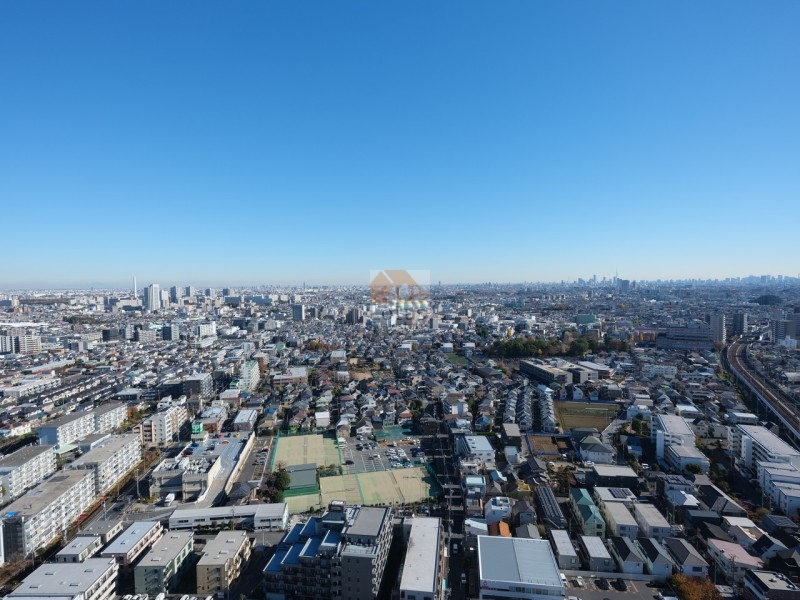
<point x="596" y="439"/>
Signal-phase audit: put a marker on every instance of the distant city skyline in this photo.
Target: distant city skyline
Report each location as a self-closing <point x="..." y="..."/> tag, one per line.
<point x="208" y="144"/>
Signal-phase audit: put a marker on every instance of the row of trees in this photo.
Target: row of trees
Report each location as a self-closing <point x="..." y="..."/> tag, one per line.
<point x="527" y="346"/>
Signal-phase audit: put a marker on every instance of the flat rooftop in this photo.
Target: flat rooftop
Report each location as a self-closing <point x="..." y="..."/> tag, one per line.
<point x="768" y="440"/>
<point x="44" y="494"/>
<point x="63" y="580"/>
<point x="106" y="450"/>
<point x="167" y="548"/>
<point x="78" y="545"/>
<point x="368" y="521"/>
<point x="23" y="455"/>
<point x="223" y="547"/>
<point x="129" y="538"/>
<point x="517" y="560"/>
<point x="422" y="557"/>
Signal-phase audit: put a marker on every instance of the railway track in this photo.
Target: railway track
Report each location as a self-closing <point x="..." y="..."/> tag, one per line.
<point x="766" y="392"/>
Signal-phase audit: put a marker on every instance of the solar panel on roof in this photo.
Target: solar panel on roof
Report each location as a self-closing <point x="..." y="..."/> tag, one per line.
<point x="619" y="492"/>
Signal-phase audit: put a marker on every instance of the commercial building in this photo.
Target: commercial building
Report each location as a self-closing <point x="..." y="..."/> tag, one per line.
<point x="111" y="460"/>
<point x="423" y="569"/>
<point x="164" y="564"/>
<point x="95" y="579"/>
<point x="35" y="519"/>
<point x="256" y="517"/>
<point x="544" y="373"/>
<point x="342" y="553"/>
<point x="23" y="469"/>
<point x="222" y="562"/>
<point x="517" y="568"/>
<point x="67" y="429"/>
<point x="133" y="542"/>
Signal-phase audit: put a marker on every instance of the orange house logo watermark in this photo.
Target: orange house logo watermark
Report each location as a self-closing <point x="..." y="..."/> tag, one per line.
<point x="391" y="286"/>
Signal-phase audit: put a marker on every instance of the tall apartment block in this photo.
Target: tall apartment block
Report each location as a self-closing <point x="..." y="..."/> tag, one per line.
<point x="23" y="469"/>
<point x="67" y="429"/>
<point x="109" y="417"/>
<point x="340" y="554"/>
<point x="162" y="427"/>
<point x="110" y="460"/>
<point x="37" y="518"/>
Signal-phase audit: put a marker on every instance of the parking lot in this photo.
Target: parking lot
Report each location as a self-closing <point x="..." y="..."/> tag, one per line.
<point x="592" y="589"/>
<point x="367" y="455"/>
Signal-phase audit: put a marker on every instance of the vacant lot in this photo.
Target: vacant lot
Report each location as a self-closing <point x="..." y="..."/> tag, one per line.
<point x="584" y="414"/>
<point x="302" y="449"/>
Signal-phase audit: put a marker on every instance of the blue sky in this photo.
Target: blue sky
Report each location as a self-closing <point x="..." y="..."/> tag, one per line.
<point x="257" y="142"/>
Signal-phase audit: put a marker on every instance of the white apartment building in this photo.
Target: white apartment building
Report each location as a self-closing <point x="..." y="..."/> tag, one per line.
<point x="422" y="567"/>
<point x="659" y="370"/>
<point x="249" y="375"/>
<point x="619" y="520"/>
<point x="652" y="523"/>
<point x="476" y="447"/>
<point x="161" y="568"/>
<point x="94" y="579"/>
<point x="111" y="460"/>
<point x="667" y="430"/>
<point x="164" y="426"/>
<point x="753" y="443"/>
<point x="133" y="542"/>
<point x="67" y="429"/>
<point x="23" y="469"/>
<point x="35" y="519"/>
<point x="678" y="457"/>
<point x="109" y="417"/>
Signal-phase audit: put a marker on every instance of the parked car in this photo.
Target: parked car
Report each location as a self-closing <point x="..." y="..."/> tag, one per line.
<point x="603" y="584"/>
<point x="621" y="585"/>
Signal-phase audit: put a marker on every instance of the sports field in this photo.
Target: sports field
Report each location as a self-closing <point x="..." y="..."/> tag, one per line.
<point x="302" y="449"/>
<point x="584" y="414"/>
<point x="390" y="486"/>
<point x="395" y="486"/>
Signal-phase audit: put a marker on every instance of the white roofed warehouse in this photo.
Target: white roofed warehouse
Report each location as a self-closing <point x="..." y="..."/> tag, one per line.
<point x="517" y="568"/>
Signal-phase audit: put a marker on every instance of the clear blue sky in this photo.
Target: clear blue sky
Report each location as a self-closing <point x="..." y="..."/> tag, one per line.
<point x="261" y="142"/>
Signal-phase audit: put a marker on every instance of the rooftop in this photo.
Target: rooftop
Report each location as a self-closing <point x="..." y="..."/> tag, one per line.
<point x="44" y="494"/>
<point x="517" y="560"/>
<point x="419" y="570"/>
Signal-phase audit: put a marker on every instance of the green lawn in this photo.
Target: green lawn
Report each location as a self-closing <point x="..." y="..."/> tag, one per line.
<point x="456" y="359"/>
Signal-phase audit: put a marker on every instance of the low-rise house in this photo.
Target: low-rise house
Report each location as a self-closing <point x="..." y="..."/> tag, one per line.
<point x="656" y="558"/>
<point x="627" y="554"/>
<point x="687" y="560"/>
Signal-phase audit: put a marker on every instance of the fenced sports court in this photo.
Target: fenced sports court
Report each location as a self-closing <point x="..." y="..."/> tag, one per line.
<point x="395" y="486"/>
<point x="301" y="449"/>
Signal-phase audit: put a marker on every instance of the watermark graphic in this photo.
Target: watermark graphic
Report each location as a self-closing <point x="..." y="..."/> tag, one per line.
<point x="400" y="287"/>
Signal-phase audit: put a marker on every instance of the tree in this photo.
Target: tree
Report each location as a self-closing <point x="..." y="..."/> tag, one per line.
<point x="282" y="479"/>
<point x="694" y="468"/>
<point x="694" y="588"/>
